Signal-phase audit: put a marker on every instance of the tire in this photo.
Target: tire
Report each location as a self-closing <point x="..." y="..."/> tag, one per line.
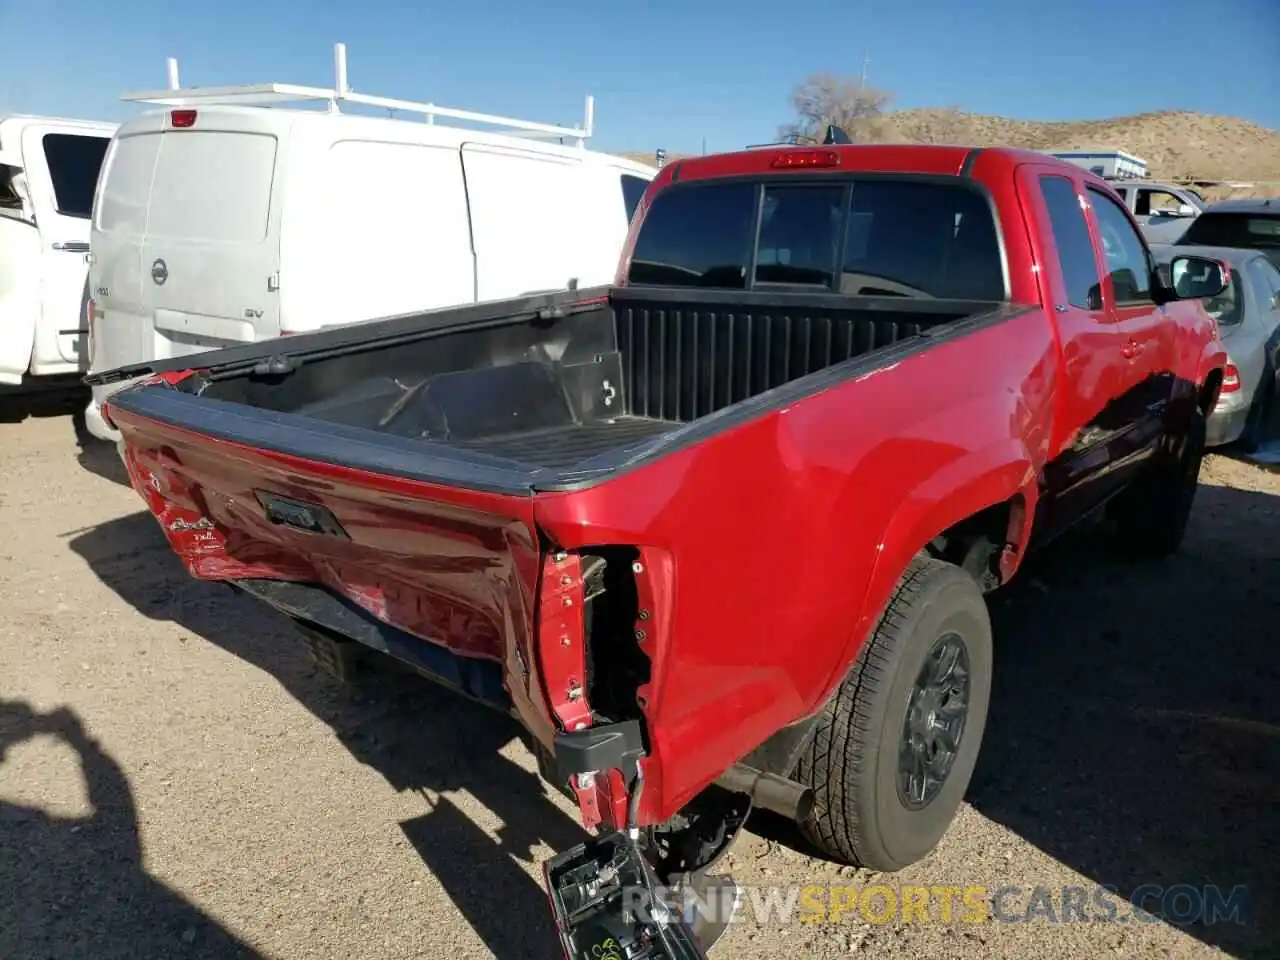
<point x="1259" y="419"/>
<point x="1151" y="515"/>
<point x="13" y="409"/>
<point x="80" y="426"/>
<point x="852" y="763"/>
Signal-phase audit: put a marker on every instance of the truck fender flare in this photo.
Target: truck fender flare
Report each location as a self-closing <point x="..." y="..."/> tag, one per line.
<point x="984" y="478"/>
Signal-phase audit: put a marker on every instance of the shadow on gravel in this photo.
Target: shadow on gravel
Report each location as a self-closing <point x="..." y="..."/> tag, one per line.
<point x="416" y="735"/>
<point x="1134" y="732"/>
<point x="75" y="888"/>
<point x="100" y="458"/>
<point x="94" y="455"/>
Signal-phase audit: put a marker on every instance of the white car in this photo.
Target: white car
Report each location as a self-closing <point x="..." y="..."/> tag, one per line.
<point x="220" y="220"/>
<point x="48" y="170"/>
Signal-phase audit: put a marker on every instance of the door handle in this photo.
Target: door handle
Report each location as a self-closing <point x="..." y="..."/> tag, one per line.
<point x="71" y="246"/>
<point x="1131" y="349"/>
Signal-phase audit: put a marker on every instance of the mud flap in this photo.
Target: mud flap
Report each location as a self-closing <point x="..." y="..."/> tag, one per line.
<point x="609" y="905"/>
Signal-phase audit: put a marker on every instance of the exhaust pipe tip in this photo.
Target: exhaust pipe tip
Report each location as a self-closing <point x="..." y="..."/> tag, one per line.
<point x="769" y="791"/>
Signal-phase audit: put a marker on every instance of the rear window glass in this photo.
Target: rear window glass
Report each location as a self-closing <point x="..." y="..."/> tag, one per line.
<point x="633" y="189"/>
<point x="872" y="237"/>
<point x="214" y="186"/>
<point x="920" y="239"/>
<point x="799" y="234"/>
<point x="697" y="237"/>
<point x="1245" y="230"/>
<point x="74" y="162"/>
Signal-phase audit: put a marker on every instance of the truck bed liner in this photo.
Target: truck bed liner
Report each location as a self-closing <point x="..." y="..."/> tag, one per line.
<point x="554" y="400"/>
<point x="572" y="443"/>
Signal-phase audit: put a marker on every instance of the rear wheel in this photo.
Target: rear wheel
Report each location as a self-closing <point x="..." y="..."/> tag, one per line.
<point x="1151" y="516"/>
<point x="894" y="750"/>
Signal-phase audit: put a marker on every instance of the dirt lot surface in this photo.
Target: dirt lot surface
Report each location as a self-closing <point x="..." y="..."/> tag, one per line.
<point x="178" y="780"/>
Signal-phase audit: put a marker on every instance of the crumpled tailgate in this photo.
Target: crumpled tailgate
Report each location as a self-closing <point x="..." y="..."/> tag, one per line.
<point x="456" y="567"/>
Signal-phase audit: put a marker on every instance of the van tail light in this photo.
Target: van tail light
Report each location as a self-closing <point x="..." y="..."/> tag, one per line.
<point x="182" y="119"/>
<point x="807" y="158"/>
<point x="1230" y="378"/>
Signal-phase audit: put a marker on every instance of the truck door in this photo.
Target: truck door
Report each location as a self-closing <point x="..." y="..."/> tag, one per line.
<point x="19" y="284"/>
<point x="62" y="166"/>
<point x="1149" y="335"/>
<point x="1088" y="420"/>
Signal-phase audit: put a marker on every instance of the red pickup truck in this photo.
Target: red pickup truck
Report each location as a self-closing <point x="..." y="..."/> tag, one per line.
<point x="720" y="533"/>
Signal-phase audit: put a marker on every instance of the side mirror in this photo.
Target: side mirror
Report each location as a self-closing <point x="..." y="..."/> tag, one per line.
<point x="1194" y="278"/>
<point x="1186" y="210"/>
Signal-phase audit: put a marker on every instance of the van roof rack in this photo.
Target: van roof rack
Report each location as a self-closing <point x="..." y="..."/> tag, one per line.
<point x="264" y="94"/>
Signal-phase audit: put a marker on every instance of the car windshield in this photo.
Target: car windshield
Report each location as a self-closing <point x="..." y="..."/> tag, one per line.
<point x="1242" y="229"/>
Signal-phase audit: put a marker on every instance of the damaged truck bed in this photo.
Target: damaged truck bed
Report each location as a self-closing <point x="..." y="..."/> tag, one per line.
<point x="717" y="535"/>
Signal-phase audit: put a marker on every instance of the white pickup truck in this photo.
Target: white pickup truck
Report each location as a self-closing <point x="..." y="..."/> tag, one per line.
<point x="48" y="172"/>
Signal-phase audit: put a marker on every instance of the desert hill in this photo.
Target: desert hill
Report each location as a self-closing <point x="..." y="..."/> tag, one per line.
<point x="1176" y="144"/>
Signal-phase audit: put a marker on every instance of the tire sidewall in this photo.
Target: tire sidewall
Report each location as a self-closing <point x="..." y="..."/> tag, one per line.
<point x="956" y="605"/>
<point x="1189" y="467"/>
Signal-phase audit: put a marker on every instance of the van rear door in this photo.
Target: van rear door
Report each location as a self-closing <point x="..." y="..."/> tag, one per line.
<point x="210" y="261"/>
<point x="186" y="243"/>
<point x="62" y="166"/>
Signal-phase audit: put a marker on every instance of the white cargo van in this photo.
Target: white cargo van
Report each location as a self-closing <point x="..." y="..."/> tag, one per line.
<point x="48" y="169"/>
<point x="220" y="220"/>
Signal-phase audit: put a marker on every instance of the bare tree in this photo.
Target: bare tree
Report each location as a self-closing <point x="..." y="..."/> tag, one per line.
<point x="827" y="99"/>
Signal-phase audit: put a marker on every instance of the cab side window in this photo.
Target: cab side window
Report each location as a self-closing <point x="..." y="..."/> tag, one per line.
<point x="1071" y="237"/>
<point x="1128" y="262"/>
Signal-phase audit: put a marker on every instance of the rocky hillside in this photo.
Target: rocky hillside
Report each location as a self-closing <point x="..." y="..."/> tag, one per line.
<point x="1175" y="144"/>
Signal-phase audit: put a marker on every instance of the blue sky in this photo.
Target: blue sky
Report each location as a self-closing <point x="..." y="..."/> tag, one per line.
<point x="664" y="73"/>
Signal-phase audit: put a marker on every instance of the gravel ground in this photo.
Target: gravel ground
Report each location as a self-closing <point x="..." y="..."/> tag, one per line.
<point x="178" y="780"/>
